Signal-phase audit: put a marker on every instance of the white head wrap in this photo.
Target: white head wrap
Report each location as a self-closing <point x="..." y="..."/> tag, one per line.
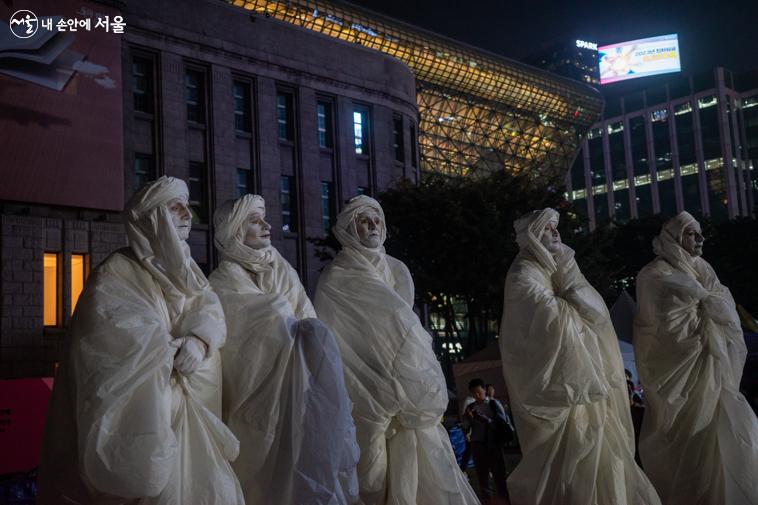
<point x="346" y="231"/>
<point x="668" y="244"/>
<point x="529" y="229"/>
<point x="230" y="220"/>
<point x="156" y="244"/>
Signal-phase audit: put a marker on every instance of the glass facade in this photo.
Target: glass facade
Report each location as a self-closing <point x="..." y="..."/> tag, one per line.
<point x="477" y="111"/>
<point x="690" y="130"/>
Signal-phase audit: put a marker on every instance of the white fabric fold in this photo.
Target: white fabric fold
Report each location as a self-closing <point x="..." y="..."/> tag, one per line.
<point x="391" y="372"/>
<point x="699" y="440"/>
<point x="123" y="427"/>
<point x="565" y="378"/>
<point x="284" y="390"/>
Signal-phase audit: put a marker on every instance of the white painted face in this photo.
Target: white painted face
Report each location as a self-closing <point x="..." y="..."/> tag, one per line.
<point x="692" y="240"/>
<point x="369" y="226"/>
<point x="550" y="238"/>
<point x="257" y="230"/>
<point x="181" y="217"/>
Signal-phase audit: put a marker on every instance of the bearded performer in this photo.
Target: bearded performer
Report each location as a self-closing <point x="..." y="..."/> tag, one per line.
<point x="284" y="391"/>
<point x="565" y="377"/>
<point x="392" y="374"/>
<point x="699" y="439"/>
<point x="135" y="412"/>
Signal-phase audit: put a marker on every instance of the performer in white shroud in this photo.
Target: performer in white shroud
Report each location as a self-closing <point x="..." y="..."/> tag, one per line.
<point x="565" y="377"/>
<point x="284" y="391"/>
<point x="392" y="374"/>
<point x="136" y="408"/>
<point x="699" y="439"/>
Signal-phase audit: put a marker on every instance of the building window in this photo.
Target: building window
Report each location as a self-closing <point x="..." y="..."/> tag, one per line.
<point x="414" y="141"/>
<point x="144" y="170"/>
<point x="51" y="289"/>
<point x="79" y="273"/>
<point x="243" y="181"/>
<point x="242" y="116"/>
<point x="397" y="138"/>
<point x="142" y="79"/>
<point x="362" y="191"/>
<point x="194" y="95"/>
<point x="284" y="116"/>
<point x="286" y="190"/>
<point x="198" y="196"/>
<point x="360" y="129"/>
<point x="326" y="206"/>
<point x="324" y="116"/>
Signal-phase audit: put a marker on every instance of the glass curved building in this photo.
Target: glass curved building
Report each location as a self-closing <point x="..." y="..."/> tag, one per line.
<point x="479" y="112"/>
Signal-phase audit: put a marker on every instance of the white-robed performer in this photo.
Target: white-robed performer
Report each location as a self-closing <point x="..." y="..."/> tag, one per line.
<point x="392" y="374"/>
<point x="565" y="377"/>
<point x="699" y="439"/>
<point x="135" y="412"/>
<point x="284" y="390"/>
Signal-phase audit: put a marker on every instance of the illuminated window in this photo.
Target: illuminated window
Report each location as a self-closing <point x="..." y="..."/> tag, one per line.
<point x="360" y="129"/>
<point x="51" y="298"/>
<point x="79" y="271"/>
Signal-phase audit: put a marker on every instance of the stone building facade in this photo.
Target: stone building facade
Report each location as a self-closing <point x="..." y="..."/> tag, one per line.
<point x="232" y="104"/>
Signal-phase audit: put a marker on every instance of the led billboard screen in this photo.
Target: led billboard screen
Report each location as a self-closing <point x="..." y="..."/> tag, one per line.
<point x="639" y="58"/>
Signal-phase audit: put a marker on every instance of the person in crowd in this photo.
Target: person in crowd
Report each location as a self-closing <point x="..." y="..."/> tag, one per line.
<point x="486" y="420"/>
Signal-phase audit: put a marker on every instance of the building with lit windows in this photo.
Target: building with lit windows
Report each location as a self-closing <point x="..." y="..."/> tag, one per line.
<point x="575" y="59"/>
<point x="478" y="112"/>
<point x="690" y="144"/>
<point x="306" y="104"/>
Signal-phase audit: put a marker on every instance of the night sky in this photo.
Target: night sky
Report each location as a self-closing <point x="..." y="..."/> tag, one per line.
<point x="711" y="33"/>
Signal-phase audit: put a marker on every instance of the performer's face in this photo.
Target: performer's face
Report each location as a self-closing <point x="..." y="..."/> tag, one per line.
<point x="369" y="226"/>
<point x="692" y="240"/>
<point x="181" y="217"/>
<point x="550" y="238"/>
<point x="257" y="231"/>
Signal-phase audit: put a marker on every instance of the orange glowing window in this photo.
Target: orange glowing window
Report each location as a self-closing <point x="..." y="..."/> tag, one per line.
<point x="78" y="276"/>
<point x="51" y="300"/>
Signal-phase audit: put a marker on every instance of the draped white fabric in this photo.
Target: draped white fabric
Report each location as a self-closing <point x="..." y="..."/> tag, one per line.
<point x="284" y="391"/>
<point x="699" y="440"/>
<point x="123" y="427"/>
<point x="565" y="378"/>
<point x="391" y="372"/>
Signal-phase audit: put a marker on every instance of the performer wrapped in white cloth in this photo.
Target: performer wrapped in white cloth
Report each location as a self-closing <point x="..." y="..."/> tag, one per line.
<point x="284" y="391"/>
<point x="699" y="439"/>
<point x="135" y="414"/>
<point x="565" y="377"/>
<point x="392" y="374"/>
